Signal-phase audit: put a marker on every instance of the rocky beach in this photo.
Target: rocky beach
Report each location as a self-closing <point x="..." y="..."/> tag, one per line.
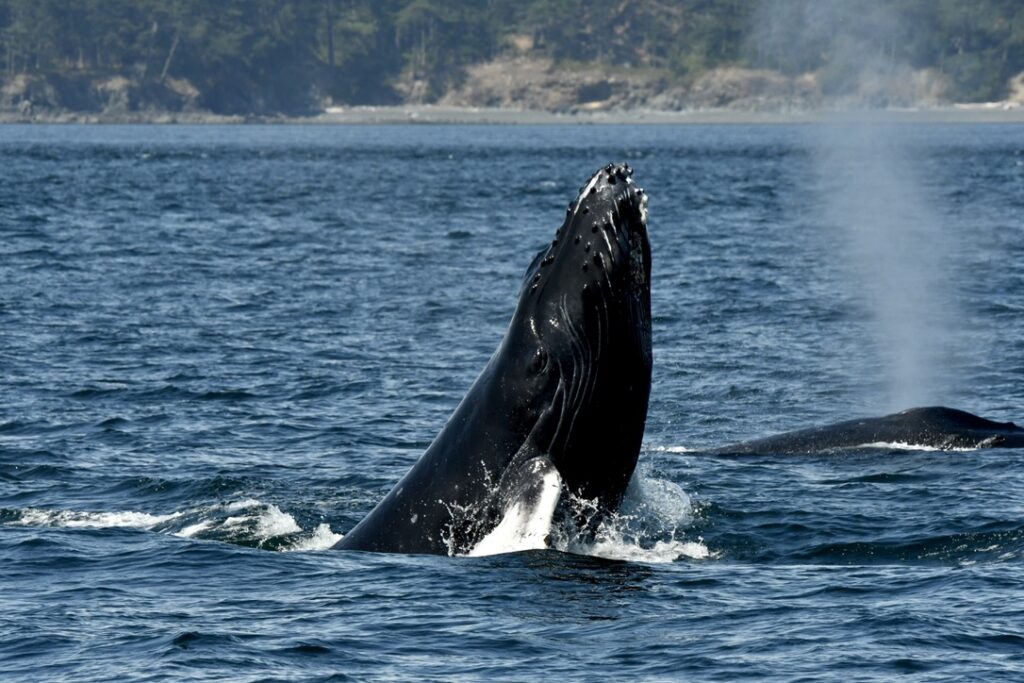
<point x="526" y="90"/>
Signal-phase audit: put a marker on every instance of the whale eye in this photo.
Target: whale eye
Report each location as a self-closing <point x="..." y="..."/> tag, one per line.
<point x="539" y="361"/>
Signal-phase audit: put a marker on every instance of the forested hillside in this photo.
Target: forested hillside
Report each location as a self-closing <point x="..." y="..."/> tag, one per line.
<point x="293" y="56"/>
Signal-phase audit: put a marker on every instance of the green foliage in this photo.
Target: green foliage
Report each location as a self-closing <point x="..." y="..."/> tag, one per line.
<point x="438" y="37"/>
<point x="977" y="44"/>
<point x="265" y="56"/>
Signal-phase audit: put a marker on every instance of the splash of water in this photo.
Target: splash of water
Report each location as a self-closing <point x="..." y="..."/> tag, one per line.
<point x="650" y="525"/>
<point x="245" y="522"/>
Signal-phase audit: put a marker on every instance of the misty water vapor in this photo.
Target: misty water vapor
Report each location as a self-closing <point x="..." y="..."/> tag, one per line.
<point x="892" y="248"/>
<point x="889" y="242"/>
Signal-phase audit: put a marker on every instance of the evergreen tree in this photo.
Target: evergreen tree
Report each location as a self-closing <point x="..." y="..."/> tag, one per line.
<point x="266" y="56"/>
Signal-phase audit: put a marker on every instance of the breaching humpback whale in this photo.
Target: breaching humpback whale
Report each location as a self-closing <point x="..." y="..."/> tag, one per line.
<point x="938" y="427"/>
<point x="560" y="406"/>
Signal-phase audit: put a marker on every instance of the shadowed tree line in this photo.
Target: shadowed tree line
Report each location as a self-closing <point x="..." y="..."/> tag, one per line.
<point x="290" y="56"/>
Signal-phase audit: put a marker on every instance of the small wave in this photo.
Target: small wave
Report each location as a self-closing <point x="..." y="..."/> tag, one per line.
<point x="904" y="446"/>
<point x="193" y="529"/>
<point x="92" y="520"/>
<point x="662" y="552"/>
<point x="673" y="449"/>
<point x="964" y="549"/>
<point x="879" y="445"/>
<point x="247" y="522"/>
<point x="650" y="525"/>
<point x="322" y="538"/>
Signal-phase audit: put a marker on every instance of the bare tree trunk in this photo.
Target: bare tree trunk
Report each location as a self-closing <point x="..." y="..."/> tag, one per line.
<point x="149" y="49"/>
<point x="330" y="33"/>
<point x="170" y="56"/>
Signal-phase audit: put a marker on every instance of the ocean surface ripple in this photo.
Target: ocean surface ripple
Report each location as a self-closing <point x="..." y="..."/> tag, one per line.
<point x="220" y="346"/>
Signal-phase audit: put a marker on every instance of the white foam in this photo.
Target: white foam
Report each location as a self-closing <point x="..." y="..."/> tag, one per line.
<point x="93" y="520"/>
<point x="322" y="538"/>
<point x="273" y="522"/>
<point x="244" y="504"/>
<point x="193" y="529"/>
<point x="904" y="446"/>
<point x="673" y="449"/>
<point x="662" y="552"/>
<point x="893" y="445"/>
<point x="650" y="525"/>
<point x="234" y="521"/>
<point x="253" y="521"/>
<point x="526" y="525"/>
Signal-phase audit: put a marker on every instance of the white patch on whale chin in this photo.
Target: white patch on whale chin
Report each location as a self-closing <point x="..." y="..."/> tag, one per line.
<point x="526" y="524"/>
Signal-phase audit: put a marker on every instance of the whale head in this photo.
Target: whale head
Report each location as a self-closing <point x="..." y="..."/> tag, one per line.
<point x="559" y="408"/>
<point x="584" y="320"/>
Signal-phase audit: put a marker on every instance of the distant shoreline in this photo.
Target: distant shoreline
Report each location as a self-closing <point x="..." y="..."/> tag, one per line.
<point x="435" y="114"/>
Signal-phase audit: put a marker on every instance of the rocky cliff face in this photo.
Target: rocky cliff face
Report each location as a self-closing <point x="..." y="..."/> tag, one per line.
<point x="520" y="82"/>
<point x="539" y="84"/>
<point x="534" y="83"/>
<point x="110" y="95"/>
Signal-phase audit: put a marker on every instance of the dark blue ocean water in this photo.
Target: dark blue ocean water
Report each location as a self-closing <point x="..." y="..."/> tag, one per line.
<point x="220" y="346"/>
